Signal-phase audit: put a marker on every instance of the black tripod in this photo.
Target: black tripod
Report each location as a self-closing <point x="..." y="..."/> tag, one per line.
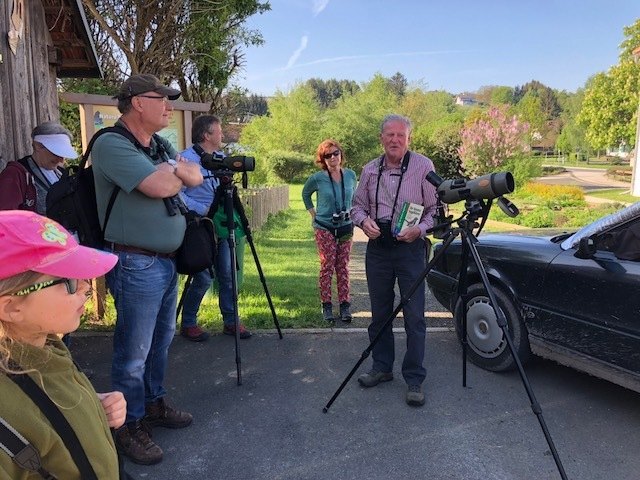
<point x="228" y="194"/>
<point x="473" y="210"/>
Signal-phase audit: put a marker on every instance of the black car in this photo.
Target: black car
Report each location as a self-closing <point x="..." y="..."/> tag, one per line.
<point x="573" y="298"/>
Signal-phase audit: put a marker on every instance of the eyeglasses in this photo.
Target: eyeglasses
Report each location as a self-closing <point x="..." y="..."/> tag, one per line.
<point x="165" y="100"/>
<point x="70" y="283"/>
<point x="327" y="156"/>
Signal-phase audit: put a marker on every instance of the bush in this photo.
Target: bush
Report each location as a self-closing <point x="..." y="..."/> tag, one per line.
<point x="523" y="169"/>
<point x="539" y="217"/>
<point x="288" y="167"/>
<point x="553" y="196"/>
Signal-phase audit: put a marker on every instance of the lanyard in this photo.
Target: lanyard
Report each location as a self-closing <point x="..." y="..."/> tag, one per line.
<point x="335" y="198"/>
<point x="403" y="168"/>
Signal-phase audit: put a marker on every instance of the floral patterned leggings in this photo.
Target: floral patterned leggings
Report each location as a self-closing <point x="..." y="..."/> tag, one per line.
<point x="334" y="255"/>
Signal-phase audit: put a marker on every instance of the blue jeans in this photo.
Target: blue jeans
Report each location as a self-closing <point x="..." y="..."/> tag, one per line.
<point x="145" y="292"/>
<point x="201" y="283"/>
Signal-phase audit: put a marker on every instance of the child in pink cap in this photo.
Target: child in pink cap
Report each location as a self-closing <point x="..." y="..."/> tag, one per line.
<point x="44" y="284"/>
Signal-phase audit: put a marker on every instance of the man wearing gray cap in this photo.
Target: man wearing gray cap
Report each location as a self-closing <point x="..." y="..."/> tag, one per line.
<point x="145" y="229"/>
<point x="24" y="183"/>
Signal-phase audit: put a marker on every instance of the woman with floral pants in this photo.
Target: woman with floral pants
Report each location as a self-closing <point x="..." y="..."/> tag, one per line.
<point x="334" y="187"/>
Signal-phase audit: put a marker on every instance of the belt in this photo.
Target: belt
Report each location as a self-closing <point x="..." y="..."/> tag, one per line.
<point x="118" y="247"/>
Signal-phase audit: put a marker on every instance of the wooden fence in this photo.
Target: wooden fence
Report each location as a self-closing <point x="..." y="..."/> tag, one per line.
<point x="260" y="202"/>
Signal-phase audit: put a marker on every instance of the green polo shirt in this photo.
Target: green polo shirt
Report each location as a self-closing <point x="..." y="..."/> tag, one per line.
<point x="135" y="220"/>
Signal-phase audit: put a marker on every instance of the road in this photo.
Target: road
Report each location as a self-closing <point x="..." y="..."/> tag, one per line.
<point x="272" y="426"/>
<point x="586" y="178"/>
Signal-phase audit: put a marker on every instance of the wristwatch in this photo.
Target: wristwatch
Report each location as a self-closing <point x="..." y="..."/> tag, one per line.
<point x="174" y="164"/>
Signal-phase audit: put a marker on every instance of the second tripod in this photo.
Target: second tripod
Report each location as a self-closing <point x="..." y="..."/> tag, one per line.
<point x="226" y="194"/>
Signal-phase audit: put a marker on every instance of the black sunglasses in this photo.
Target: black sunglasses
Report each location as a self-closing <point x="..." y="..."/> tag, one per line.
<point x="327" y="156"/>
<point x="70" y="283"/>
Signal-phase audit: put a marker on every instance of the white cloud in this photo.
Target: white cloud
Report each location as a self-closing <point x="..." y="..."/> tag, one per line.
<point x="319" y="6"/>
<point x="294" y="57"/>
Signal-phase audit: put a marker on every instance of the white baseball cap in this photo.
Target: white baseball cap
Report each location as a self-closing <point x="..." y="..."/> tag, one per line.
<point x="58" y="143"/>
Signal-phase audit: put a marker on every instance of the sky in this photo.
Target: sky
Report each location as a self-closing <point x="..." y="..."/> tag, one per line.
<point x="453" y="45"/>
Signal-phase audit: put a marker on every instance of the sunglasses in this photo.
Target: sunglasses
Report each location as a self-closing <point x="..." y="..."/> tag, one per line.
<point x="327" y="156"/>
<point x="70" y="283"/>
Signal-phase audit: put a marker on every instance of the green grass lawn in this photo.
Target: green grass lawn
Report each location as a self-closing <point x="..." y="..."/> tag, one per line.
<point x="615" y="195"/>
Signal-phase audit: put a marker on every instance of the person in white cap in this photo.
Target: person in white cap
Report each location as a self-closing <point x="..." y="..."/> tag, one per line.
<point x="24" y="183"/>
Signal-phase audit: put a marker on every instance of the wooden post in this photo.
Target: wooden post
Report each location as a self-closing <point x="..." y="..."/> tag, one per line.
<point x="99" y="296"/>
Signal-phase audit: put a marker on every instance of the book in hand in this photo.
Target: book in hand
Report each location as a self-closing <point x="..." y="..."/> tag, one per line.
<point x="410" y="216"/>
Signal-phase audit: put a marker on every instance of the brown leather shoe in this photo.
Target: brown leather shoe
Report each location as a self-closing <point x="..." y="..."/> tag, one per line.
<point x="134" y="442"/>
<point x="160" y="414"/>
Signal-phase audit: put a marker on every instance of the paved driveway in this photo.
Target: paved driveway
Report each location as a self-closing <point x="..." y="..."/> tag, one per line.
<point x="272" y="426"/>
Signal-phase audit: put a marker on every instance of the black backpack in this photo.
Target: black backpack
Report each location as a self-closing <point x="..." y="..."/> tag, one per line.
<point x="71" y="201"/>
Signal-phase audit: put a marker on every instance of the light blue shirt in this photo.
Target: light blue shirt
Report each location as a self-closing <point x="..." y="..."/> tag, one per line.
<point x="199" y="198"/>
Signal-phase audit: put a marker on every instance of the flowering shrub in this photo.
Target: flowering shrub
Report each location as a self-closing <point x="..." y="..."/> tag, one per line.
<point x="553" y="196"/>
<point x="491" y="140"/>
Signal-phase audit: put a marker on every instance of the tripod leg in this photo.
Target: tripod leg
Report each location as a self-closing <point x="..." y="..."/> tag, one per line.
<point x="264" y="283"/>
<point x="462" y="295"/>
<point x="184" y="292"/>
<point x="394" y="314"/>
<point x="229" y="193"/>
<point x="469" y="240"/>
<point x="247" y="230"/>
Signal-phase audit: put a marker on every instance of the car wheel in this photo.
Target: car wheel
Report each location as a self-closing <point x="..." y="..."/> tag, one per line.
<point x="487" y="346"/>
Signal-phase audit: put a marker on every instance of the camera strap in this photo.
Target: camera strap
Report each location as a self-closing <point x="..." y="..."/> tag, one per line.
<point x="335" y="198"/>
<point x="403" y="168"/>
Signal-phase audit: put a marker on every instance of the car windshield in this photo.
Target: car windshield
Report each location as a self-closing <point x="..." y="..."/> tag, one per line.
<point x="602" y="225"/>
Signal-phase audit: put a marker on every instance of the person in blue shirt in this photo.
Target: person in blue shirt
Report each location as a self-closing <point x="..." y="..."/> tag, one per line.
<point x="334" y="187"/>
<point x="207" y="132"/>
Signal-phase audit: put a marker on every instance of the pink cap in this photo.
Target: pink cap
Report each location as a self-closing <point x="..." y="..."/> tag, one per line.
<point x="31" y="242"/>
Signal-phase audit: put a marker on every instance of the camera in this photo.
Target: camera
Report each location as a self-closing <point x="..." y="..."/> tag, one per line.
<point x="216" y="161"/>
<point x="340" y="217"/>
<point x="486" y="187"/>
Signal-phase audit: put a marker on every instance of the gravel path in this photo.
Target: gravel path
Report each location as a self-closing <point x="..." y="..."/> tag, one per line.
<point x="436" y="315"/>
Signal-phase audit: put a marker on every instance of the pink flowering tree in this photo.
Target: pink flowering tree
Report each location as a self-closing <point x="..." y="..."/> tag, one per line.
<point x="491" y="141"/>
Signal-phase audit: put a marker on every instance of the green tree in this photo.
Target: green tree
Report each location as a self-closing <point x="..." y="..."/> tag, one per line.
<point x="549" y="105"/>
<point x="437" y="123"/>
<point x="328" y="91"/>
<point x="501" y="96"/>
<point x="293" y="124"/>
<point x="398" y="84"/>
<point x="529" y="108"/>
<point x="355" y="120"/>
<point x="610" y="106"/>
<point x="197" y="43"/>
<point x="572" y="137"/>
<point x="631" y="41"/>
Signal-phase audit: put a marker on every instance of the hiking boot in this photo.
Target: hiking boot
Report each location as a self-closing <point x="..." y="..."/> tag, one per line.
<point x="374" y="377"/>
<point x="415" y="397"/>
<point x="195" y="333"/>
<point x="160" y="414"/>
<point x="327" y="312"/>
<point x="231" y="330"/>
<point x="134" y="442"/>
<point x="345" y="312"/>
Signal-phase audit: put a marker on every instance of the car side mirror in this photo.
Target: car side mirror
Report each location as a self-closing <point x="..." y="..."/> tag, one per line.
<point x="586" y="248"/>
